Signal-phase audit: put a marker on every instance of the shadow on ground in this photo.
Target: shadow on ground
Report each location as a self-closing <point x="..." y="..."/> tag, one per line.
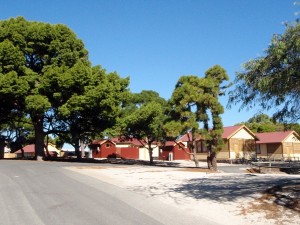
<point x="115" y="161"/>
<point x="281" y="191"/>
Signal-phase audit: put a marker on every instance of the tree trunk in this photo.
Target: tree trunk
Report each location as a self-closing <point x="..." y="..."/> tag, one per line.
<point x="212" y="161"/>
<point x="46" y="147"/>
<point x="77" y="149"/>
<point x="195" y="157"/>
<point x="150" y="150"/>
<point x="193" y="149"/>
<point x="2" y="145"/>
<point x="82" y="149"/>
<point x="39" y="138"/>
<point x="22" y="152"/>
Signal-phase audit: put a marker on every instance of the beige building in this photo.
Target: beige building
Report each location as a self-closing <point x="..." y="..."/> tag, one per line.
<point x="239" y="142"/>
<point x="283" y="145"/>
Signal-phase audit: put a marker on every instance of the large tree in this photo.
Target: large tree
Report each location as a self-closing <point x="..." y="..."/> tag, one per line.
<point x="41" y="67"/>
<point x="143" y="120"/>
<point x="273" y="80"/>
<point x="87" y="115"/>
<point x="195" y="111"/>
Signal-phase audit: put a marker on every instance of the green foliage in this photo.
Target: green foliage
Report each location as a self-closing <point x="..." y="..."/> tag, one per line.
<point x="146" y="122"/>
<point x="96" y="109"/>
<point x="18" y="131"/>
<point x="193" y="104"/>
<point x="273" y="80"/>
<point x="42" y="66"/>
<point x="37" y="104"/>
<point x="293" y="126"/>
<point x="263" y="123"/>
<point x="143" y="118"/>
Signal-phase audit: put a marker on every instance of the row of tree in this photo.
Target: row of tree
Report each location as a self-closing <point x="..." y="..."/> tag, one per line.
<point x="49" y="89"/>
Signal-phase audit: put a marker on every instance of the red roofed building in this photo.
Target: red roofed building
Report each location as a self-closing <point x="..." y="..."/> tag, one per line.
<point x="172" y="150"/>
<point x="143" y="153"/>
<point x="104" y="149"/>
<point x="239" y="142"/>
<point x="29" y="151"/>
<point x="278" y="145"/>
<point x="127" y="148"/>
<point x="112" y="149"/>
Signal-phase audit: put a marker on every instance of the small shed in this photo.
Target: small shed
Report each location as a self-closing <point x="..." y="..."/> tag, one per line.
<point x="133" y="143"/>
<point x="114" y="148"/>
<point x="278" y="145"/>
<point x="173" y="150"/>
<point x="104" y="149"/>
<point x="239" y="142"/>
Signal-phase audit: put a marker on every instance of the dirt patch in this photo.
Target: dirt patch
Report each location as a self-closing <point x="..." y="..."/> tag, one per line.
<point x="278" y="203"/>
<point x="253" y="170"/>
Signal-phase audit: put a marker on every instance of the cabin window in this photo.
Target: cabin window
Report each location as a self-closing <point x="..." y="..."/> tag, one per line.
<point x="258" y="151"/>
<point x="274" y="148"/>
<point x="107" y="145"/>
<point x="200" y="147"/>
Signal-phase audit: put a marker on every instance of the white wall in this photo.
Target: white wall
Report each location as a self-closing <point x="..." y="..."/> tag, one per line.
<point x="292" y="138"/>
<point x="243" y="134"/>
<point x="144" y="153"/>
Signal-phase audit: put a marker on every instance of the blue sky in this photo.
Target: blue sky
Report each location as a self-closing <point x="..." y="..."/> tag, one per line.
<point x="154" y="42"/>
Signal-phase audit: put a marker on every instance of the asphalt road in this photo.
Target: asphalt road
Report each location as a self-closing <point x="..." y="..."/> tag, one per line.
<point x="235" y="168"/>
<point x="34" y="193"/>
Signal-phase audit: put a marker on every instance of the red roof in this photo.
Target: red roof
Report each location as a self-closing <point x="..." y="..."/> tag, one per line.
<point x="27" y="148"/>
<point x="187" y="137"/>
<point x="274" y="137"/>
<point x="101" y="142"/>
<point x="230" y="131"/>
<point x="173" y="143"/>
<point x="133" y="141"/>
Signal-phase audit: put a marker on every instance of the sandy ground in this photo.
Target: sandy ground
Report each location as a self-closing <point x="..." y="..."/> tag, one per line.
<point x="226" y="198"/>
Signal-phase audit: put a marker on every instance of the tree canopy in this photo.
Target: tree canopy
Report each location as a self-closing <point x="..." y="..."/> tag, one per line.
<point x="273" y="80"/>
<point x="195" y="109"/>
<point x="46" y="75"/>
<point x="263" y="123"/>
<point x="144" y="119"/>
<point x="97" y="109"/>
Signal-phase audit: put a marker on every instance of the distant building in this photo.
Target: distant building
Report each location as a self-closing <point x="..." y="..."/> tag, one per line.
<point x="278" y="145"/>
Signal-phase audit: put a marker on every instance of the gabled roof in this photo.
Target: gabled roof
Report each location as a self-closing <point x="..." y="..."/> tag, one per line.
<point x="227" y="133"/>
<point x="173" y="143"/>
<point x="31" y="149"/>
<point x="232" y="130"/>
<point x="132" y="141"/>
<point x="122" y="140"/>
<point x="27" y="148"/>
<point x="101" y="142"/>
<point x="275" y="137"/>
<point x="187" y="137"/>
